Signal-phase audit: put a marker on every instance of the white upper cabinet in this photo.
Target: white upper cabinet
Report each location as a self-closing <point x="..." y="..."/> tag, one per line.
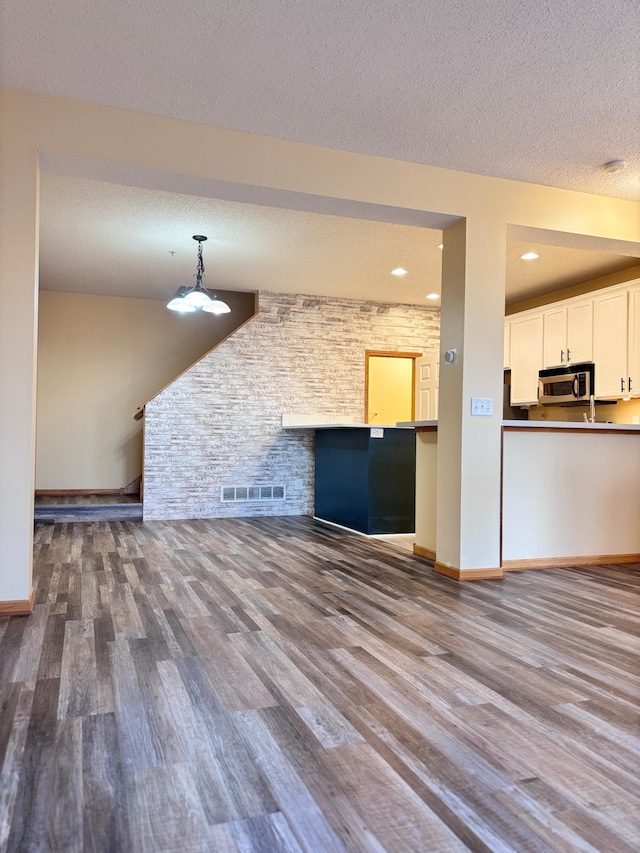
<point x="568" y="333"/>
<point x="602" y="327"/>
<point x="580" y="331"/>
<point x="526" y="358"/>
<point x="633" y="379"/>
<point x="507" y="344"/>
<point x="610" y="343"/>
<point x="555" y="337"/>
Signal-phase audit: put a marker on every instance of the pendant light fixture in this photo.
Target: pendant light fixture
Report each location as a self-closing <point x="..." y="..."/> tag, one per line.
<point x="197" y="298"/>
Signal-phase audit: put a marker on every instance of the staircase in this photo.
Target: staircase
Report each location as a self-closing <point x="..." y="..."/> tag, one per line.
<point x="51" y="510"/>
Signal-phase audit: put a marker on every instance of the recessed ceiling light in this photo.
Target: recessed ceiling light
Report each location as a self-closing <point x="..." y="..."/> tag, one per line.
<point x="433" y="296"/>
<point x="529" y="256"/>
<point x="441" y="245"/>
<point x="613" y="166"/>
<point x="398" y="271"/>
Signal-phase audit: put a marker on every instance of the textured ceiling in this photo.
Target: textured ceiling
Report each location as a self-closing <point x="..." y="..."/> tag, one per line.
<point x="105" y="238"/>
<point x="536" y="91"/>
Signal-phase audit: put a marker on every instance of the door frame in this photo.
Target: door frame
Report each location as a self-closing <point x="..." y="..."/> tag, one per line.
<point x="389" y="354"/>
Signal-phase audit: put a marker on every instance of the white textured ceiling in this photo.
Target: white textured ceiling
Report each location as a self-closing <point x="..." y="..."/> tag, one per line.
<point x="543" y="92"/>
<point x="105" y="238"/>
<point x="110" y="239"/>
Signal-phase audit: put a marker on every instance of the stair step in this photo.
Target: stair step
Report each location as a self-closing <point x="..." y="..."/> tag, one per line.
<point x="89" y="512"/>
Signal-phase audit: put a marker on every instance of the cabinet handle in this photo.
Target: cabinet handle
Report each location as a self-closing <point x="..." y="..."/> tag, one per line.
<point x="621" y="384"/>
<point x="561" y="356"/>
<point x="629" y="385"/>
<point x="568" y="355"/>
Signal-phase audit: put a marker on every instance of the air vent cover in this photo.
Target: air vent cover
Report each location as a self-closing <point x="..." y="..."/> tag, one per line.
<point x="237" y="494"/>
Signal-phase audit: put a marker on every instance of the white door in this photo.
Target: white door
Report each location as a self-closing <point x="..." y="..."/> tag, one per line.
<point x="427" y="384"/>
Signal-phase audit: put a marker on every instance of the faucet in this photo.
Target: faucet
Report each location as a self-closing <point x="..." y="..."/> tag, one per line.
<point x="592" y="411"/>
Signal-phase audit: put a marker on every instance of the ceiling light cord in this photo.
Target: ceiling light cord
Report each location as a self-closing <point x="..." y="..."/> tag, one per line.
<point x="200" y="270"/>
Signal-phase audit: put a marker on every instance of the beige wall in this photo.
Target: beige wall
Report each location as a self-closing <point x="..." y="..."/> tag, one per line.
<point x="99" y="358"/>
<point x="622" y="412"/>
<point x="620" y="277"/>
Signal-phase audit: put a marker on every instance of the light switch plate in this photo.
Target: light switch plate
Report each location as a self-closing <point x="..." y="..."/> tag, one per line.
<point x="482" y="406"/>
<point x="377" y="432"/>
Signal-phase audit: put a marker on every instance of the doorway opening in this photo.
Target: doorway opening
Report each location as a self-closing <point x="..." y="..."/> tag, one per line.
<point x="389" y="386"/>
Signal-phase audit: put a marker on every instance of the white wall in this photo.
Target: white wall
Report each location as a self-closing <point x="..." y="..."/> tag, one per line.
<point x="220" y="423"/>
<point x="100" y="358"/>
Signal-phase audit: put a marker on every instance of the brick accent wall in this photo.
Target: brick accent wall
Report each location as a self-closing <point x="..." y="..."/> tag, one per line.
<point x="219" y="424"/>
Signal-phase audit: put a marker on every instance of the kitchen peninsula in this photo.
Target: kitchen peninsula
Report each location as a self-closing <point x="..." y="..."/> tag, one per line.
<point x="364" y="475"/>
<point x="570" y="493"/>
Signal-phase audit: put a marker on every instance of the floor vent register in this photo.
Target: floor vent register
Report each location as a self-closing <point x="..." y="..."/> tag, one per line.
<point x="253" y="493"/>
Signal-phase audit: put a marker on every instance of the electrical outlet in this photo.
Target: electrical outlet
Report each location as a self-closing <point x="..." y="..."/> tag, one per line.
<point x="482" y="406"/>
<point x="635" y="419"/>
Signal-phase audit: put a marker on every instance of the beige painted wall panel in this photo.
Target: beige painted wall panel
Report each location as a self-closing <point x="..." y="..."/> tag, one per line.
<point x="19" y="218"/>
<point x="426" y="480"/>
<point x="100" y="358"/>
<point x="568" y="494"/>
<point x="622" y="412"/>
<point x="473" y="277"/>
<point x="630" y="274"/>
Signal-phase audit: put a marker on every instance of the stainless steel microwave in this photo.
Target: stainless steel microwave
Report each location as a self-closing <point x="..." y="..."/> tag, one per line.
<point x="564" y="386"/>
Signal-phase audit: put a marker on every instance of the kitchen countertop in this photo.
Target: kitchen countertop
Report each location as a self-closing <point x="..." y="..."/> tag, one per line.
<point x="518" y="424"/>
<point x="547" y="425"/>
<point x="571" y="425"/>
<point x="416" y="424"/>
<point x="343" y="426"/>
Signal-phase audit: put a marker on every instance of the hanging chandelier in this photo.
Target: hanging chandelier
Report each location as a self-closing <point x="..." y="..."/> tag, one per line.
<point x="197" y="298"/>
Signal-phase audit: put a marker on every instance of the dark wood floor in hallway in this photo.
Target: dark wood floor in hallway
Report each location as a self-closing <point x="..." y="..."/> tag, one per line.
<point x="276" y="685"/>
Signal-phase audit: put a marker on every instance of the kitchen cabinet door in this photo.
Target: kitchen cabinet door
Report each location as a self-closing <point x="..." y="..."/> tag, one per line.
<point x="555" y="337"/>
<point x="633" y="378"/>
<point x="507" y="344"/>
<point x="580" y="331"/>
<point x="610" y="344"/>
<point x="526" y="358"/>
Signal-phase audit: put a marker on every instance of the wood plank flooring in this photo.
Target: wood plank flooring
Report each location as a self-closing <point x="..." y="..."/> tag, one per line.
<point x="276" y="685"/>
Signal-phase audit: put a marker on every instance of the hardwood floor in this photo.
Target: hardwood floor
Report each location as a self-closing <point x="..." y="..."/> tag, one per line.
<point x="275" y="685"/>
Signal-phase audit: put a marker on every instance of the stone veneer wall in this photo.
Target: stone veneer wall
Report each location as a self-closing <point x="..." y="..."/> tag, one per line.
<point x="220" y="423"/>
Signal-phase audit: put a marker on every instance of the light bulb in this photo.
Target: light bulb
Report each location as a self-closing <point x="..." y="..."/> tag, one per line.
<point x="217" y="306"/>
<point x="178" y="304"/>
<point x="197" y="297"/>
